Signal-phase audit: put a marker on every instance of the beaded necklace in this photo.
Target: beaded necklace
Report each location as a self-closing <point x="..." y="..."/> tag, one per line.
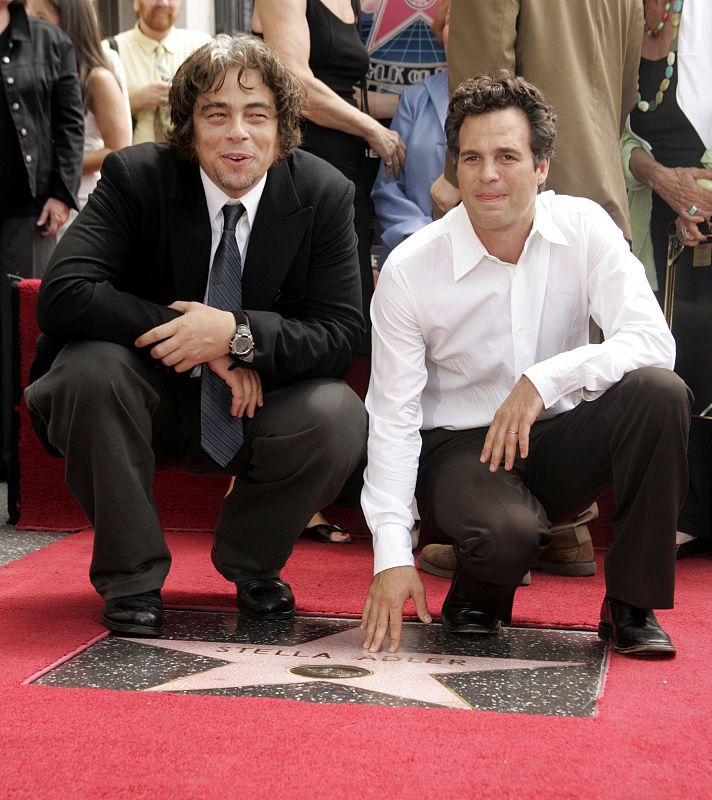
<point x="655" y="32"/>
<point x="651" y="105"/>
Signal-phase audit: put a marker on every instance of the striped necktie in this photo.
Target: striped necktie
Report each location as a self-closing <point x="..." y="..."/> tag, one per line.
<point x="221" y="434"/>
<point x="162" y="114"/>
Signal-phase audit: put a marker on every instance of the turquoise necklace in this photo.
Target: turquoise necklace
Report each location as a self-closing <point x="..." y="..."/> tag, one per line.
<point x="656" y="31"/>
<point x="651" y="105"/>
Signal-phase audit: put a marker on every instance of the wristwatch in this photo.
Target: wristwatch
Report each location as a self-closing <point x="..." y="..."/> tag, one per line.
<point x="242" y="344"/>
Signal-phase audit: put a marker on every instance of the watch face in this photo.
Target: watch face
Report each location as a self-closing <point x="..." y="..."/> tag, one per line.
<point x="241" y="344"/>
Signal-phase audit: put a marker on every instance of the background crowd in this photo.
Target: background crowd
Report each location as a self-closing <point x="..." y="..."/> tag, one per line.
<point x="629" y="84"/>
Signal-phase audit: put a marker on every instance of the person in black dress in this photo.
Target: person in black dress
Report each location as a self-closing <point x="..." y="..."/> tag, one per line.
<point x="319" y="41"/>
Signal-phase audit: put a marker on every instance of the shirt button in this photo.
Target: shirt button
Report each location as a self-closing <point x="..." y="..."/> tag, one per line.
<point x="23" y="131"/>
<point x="10" y="80"/>
<point x="15" y="106"/>
<point x="6" y="59"/>
<point x="28" y="159"/>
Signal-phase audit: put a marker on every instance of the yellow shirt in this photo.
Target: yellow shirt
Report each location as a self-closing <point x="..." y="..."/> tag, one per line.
<point x="139" y="59"/>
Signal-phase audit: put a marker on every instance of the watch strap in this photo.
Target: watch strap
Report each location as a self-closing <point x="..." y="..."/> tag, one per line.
<point x="240" y="317"/>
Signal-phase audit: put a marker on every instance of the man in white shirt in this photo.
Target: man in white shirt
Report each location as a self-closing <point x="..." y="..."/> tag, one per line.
<point x="150" y="54"/>
<point x="483" y="380"/>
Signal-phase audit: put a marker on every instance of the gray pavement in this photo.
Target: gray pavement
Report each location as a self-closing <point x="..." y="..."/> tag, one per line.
<point x="16" y="544"/>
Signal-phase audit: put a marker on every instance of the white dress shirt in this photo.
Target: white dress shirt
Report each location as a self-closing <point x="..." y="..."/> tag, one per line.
<point x="454" y="329"/>
<point x="216" y="199"/>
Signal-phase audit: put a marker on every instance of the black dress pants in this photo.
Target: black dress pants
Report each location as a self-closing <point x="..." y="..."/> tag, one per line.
<point x="116" y="418"/>
<point x="633" y="437"/>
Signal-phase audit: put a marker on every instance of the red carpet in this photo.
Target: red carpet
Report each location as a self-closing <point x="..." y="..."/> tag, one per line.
<point x="650" y="738"/>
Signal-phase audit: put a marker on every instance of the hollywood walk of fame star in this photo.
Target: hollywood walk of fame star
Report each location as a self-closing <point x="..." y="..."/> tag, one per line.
<point x="394" y="16"/>
<point x="408" y="675"/>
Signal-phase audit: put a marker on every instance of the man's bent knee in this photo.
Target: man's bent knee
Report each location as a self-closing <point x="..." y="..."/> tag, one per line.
<point x="93" y="369"/>
<point x="338" y="418"/>
<point x="656" y="382"/>
<point x="500" y="548"/>
<point x="88" y="381"/>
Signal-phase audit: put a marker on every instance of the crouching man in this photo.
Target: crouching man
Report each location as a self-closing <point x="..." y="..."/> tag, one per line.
<point x="488" y="403"/>
<point x="201" y="312"/>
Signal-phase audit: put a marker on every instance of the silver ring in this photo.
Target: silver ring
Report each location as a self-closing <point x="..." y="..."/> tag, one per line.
<point x="514" y="433"/>
<point x="692" y="211"/>
<point x="683" y="233"/>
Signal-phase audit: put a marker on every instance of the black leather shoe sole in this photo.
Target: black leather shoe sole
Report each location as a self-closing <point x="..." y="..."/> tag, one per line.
<point x="471" y="628"/>
<point x="472" y="622"/>
<point x="246" y="612"/>
<point x="643" y="649"/>
<point x="576" y="569"/>
<point x="131" y="628"/>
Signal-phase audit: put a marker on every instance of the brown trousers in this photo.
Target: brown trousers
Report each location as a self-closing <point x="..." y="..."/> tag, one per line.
<point x="633" y="438"/>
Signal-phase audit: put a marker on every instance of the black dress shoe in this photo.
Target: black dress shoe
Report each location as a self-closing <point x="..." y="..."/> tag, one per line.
<point x="633" y="631"/>
<point x="137" y="615"/>
<point x="460" y="616"/>
<point x="267" y="598"/>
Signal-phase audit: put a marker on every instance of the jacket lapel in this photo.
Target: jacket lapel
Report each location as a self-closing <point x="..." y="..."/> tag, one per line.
<point x="278" y="229"/>
<point x="189" y="233"/>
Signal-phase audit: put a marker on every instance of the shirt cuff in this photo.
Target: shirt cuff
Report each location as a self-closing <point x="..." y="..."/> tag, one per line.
<point x="543" y="385"/>
<point x="392" y="547"/>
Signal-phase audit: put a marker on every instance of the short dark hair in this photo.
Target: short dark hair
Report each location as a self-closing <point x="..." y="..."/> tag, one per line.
<point x="501" y="90"/>
<point x="206" y="68"/>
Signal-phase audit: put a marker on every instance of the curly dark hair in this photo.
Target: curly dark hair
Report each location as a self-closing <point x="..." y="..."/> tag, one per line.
<point x="205" y="70"/>
<point x="501" y="90"/>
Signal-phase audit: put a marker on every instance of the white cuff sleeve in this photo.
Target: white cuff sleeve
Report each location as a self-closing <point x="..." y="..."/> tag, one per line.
<point x="392" y="547"/>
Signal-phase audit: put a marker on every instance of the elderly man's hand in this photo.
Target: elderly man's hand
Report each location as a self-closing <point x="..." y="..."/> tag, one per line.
<point x="201" y="334"/>
<point x="688" y="233"/>
<point x="383" y="608"/>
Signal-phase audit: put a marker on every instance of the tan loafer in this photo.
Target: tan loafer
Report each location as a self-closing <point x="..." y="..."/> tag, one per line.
<point x="439" y="559"/>
<point x="571" y="549"/>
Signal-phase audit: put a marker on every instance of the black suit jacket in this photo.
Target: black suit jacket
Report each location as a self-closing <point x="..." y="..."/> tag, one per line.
<point x="143" y="241"/>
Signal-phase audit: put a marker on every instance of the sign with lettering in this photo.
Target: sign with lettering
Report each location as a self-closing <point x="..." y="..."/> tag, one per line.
<point x="401" y="45"/>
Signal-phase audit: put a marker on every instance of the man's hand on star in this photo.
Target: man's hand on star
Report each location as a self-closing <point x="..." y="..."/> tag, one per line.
<point x="245" y="385"/>
<point x="200" y="335"/>
<point x="511" y="425"/>
<point x="383" y="608"/>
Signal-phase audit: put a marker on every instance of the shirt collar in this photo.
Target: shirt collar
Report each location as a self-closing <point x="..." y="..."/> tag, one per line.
<point x="467" y="249"/>
<point x="216" y="198"/>
<point x="148" y="45"/>
<point x="544" y="223"/>
<point x="19" y="24"/>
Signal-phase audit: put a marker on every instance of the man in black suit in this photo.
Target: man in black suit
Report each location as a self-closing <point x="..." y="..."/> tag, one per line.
<point x="147" y="320"/>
